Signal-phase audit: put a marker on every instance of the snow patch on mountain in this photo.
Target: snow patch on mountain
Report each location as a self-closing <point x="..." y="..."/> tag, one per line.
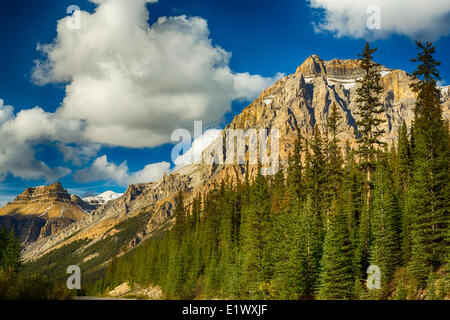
<point x="103" y="197"/>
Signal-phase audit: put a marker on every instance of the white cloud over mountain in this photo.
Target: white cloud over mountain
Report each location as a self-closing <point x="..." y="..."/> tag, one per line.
<point x="134" y="83"/>
<point x="21" y="132"/>
<point x="103" y="170"/>
<point x="127" y="84"/>
<point x="418" y="19"/>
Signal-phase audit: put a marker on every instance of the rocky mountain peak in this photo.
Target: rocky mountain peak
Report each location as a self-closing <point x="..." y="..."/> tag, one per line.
<point x="52" y="201"/>
<point x="54" y="192"/>
<point x="102" y="198"/>
<point x="311" y="67"/>
<point x="41" y="211"/>
<point x="314" y="66"/>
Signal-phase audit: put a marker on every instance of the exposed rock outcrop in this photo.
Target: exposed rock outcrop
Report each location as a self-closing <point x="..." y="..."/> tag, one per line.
<point x="42" y="211"/>
<point x="126" y="290"/>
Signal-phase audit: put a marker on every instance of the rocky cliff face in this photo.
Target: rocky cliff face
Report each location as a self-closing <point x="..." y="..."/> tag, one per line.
<point x="41" y="211"/>
<point x="301" y="100"/>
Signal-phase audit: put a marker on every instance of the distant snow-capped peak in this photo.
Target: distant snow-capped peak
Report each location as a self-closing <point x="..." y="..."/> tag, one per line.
<point x="103" y="197"/>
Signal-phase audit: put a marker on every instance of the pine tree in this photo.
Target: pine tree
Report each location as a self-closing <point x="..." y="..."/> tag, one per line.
<point x="311" y="227"/>
<point x="288" y="241"/>
<point x="277" y="191"/>
<point x="404" y="168"/>
<point x="180" y="218"/>
<point x="315" y="174"/>
<point x="334" y="159"/>
<point x="290" y="254"/>
<point x="295" y="168"/>
<point x="429" y="194"/>
<point x="404" y="158"/>
<point x="385" y="218"/>
<point x="369" y="109"/>
<point x="352" y="193"/>
<point x="254" y="237"/>
<point x="10" y="256"/>
<point x="336" y="280"/>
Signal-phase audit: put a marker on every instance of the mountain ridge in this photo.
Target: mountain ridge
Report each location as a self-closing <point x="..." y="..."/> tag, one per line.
<point x="300" y="100"/>
<point x="41" y="211"/>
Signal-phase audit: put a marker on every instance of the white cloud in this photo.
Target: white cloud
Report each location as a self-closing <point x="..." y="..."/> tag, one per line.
<point x="103" y="170"/>
<point x="6" y="112"/>
<point x="20" y="132"/>
<point x="418" y="19"/>
<point x="37" y="125"/>
<point x="133" y="83"/>
<point x="194" y="154"/>
<point x="128" y="84"/>
<point x="79" y="154"/>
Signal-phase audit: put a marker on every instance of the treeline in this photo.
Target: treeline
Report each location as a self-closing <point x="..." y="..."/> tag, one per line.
<point x="15" y="284"/>
<point x="312" y="230"/>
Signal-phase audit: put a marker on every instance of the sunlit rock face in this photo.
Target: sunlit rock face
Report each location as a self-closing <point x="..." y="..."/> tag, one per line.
<point x="41" y="211"/>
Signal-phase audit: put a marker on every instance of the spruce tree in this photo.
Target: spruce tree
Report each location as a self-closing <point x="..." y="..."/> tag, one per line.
<point x="369" y="109"/>
<point x="312" y="229"/>
<point x="180" y="218"/>
<point x="315" y="174"/>
<point x="334" y="161"/>
<point x="429" y="194"/>
<point x="295" y="167"/>
<point x="385" y="247"/>
<point x="290" y="254"/>
<point x="404" y="169"/>
<point x="254" y="237"/>
<point x="369" y="133"/>
<point x="288" y="240"/>
<point x="336" y="280"/>
<point x="10" y="256"/>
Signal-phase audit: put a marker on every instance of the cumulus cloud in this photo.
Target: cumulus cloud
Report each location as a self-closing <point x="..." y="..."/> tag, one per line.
<point x="133" y="83"/>
<point x="127" y="84"/>
<point x="78" y="154"/>
<point x="422" y="20"/>
<point x="20" y="132"/>
<point x="103" y="170"/>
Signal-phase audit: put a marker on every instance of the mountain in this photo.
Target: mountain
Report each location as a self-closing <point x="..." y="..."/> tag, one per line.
<point x="41" y="211"/>
<point x="304" y="98"/>
<point x="301" y="100"/>
<point x="102" y="198"/>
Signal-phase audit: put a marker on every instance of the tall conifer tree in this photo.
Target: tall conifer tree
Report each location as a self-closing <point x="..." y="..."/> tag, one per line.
<point x="369" y="109"/>
<point x="429" y="194"/>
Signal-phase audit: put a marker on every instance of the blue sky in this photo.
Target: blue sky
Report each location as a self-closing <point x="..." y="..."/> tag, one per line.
<point x="264" y="38"/>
